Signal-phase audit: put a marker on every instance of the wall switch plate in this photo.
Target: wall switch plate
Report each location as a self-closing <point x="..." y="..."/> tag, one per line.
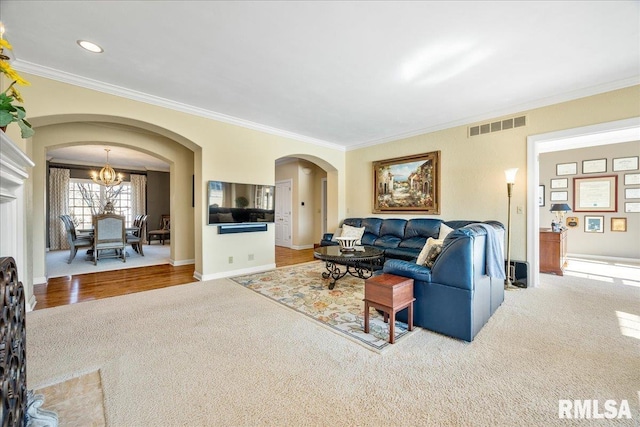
<point x="230" y="260"/>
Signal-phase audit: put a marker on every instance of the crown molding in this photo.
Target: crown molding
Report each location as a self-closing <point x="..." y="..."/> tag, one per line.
<point x="96" y="85"/>
<point x="515" y="109"/>
<point x="110" y="89"/>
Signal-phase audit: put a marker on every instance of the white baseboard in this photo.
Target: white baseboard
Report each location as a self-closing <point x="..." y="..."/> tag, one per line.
<point x="181" y="262"/>
<point x="40" y="280"/>
<point x="31" y="304"/>
<point x="300" y="247"/>
<point x="232" y="273"/>
<point x="605" y="258"/>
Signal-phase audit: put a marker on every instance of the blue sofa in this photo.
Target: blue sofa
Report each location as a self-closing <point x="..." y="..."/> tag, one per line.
<point x="455" y="297"/>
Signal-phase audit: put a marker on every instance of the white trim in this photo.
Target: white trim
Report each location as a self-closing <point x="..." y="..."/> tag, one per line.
<point x="233" y="273"/>
<point x="40" y="281"/>
<point x="96" y="85"/>
<point x="31" y="304"/>
<point x="300" y="247"/>
<point x="586" y="136"/>
<point x="181" y="262"/>
<point x="99" y="86"/>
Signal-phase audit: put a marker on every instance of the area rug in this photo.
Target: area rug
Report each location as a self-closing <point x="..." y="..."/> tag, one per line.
<point x="303" y="289"/>
<point x="57" y="266"/>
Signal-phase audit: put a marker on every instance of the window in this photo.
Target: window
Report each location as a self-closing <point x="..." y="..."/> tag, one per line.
<point x="86" y="198"/>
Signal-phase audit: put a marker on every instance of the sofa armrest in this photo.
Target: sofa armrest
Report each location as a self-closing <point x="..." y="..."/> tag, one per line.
<point x="407" y="269"/>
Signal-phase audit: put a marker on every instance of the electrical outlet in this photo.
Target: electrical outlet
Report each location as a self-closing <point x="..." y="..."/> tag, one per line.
<point x="519" y="210"/>
<point x="250" y="257"/>
<point x="230" y="260"/>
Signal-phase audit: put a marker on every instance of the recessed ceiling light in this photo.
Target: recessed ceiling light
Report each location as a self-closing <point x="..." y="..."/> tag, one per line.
<point x="91" y="47"/>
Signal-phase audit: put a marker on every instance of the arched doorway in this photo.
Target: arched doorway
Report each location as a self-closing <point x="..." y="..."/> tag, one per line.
<point x="101" y="131"/>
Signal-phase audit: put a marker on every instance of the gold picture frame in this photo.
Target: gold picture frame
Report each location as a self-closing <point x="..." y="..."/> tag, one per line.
<point x="618" y="224"/>
<point x="407" y="184"/>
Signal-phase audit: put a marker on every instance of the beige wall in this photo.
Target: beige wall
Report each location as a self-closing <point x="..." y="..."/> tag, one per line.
<point x="472" y="181"/>
<point x="607" y="244"/>
<point x="216" y="150"/>
<point x="472" y="185"/>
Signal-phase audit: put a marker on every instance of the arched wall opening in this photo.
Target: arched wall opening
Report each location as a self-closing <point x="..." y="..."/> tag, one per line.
<point x="311" y="203"/>
<point x="100" y="131"/>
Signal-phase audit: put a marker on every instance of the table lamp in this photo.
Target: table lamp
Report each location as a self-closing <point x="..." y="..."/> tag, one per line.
<point x="559" y="209"/>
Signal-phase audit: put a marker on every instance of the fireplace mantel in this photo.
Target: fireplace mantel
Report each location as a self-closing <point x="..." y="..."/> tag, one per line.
<point x="13" y="168"/>
<point x="14" y="165"/>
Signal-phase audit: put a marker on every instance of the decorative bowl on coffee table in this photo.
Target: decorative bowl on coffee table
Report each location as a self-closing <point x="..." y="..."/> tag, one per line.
<point x="347" y="243"/>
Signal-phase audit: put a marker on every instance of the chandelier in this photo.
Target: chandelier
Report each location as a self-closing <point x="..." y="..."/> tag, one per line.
<point x="107" y="175"/>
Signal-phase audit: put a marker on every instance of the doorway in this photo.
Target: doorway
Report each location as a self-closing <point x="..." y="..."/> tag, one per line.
<point x="588" y="136"/>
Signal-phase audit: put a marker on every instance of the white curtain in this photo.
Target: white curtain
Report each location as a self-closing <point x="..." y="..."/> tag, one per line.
<point x="138" y="197"/>
<point x="58" y="205"/>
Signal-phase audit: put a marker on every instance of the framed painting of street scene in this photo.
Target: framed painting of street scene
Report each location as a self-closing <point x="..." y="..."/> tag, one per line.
<point x="407" y="184"/>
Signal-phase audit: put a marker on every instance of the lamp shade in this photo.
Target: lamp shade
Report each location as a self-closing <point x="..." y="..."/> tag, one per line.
<point x="510" y="175"/>
<point x="560" y="207"/>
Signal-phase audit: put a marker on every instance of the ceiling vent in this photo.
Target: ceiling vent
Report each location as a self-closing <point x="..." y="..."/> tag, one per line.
<point x="514" y="122"/>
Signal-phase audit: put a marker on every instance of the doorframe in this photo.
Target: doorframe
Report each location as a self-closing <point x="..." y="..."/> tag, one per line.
<point x="587" y="136"/>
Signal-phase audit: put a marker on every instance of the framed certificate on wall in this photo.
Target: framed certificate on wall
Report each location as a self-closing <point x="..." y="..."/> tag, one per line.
<point x="597" y="194"/>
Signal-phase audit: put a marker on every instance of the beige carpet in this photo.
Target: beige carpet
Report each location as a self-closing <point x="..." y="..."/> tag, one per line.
<point x="215" y="353"/>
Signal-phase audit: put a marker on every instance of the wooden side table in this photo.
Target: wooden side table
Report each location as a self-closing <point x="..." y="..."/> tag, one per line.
<point x="553" y="251"/>
<point x="390" y="294"/>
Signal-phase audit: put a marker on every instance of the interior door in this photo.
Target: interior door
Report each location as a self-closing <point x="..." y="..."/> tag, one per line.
<point x="323" y="204"/>
<point x="283" y="213"/>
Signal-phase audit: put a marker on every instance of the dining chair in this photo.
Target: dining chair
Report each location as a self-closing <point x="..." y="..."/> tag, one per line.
<point x="135" y="238"/>
<point x="109" y="233"/>
<point x="75" y="241"/>
<point x="164" y="232"/>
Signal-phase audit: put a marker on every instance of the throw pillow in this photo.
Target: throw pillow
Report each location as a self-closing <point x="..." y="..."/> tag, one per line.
<point x="444" y="231"/>
<point x="433" y="254"/>
<point x="425" y="250"/>
<point x="354" y="232"/>
<point x="225" y="217"/>
<point x="337" y="233"/>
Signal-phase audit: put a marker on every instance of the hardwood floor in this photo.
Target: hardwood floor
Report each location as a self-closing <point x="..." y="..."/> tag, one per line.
<point x="87" y="287"/>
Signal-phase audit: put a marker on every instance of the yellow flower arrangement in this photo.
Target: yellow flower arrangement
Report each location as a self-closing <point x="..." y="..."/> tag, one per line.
<point x="9" y="111"/>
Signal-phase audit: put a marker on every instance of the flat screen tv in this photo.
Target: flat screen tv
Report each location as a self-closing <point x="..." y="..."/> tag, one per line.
<point x="233" y="202"/>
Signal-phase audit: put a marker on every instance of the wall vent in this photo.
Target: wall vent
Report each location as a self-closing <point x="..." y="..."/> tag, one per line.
<point x="514" y="122"/>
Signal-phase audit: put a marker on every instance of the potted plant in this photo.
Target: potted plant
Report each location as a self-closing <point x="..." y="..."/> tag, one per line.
<point x="242" y="202"/>
<point x="9" y="110"/>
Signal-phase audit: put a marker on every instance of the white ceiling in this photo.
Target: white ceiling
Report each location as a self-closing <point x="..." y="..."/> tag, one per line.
<point x="341" y="74"/>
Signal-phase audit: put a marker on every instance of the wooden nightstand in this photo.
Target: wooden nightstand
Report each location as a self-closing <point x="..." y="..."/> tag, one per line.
<point x="389" y="293"/>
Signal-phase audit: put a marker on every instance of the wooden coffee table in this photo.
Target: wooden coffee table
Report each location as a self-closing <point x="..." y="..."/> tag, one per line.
<point x="358" y="263"/>
<point x="390" y="294"/>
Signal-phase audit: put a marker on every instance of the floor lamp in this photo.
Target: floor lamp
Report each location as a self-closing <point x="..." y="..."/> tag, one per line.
<point x="510" y="174"/>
